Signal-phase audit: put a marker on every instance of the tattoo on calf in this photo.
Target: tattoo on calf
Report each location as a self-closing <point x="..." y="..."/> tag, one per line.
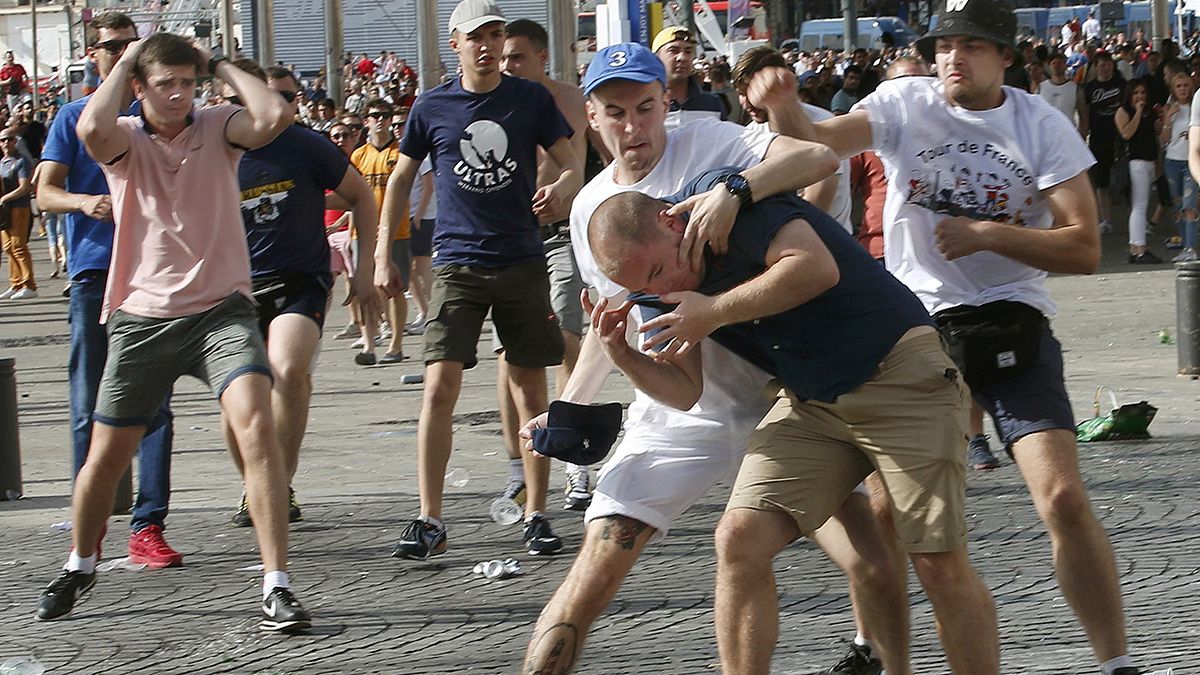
<point x="622" y="531"/>
<point x="554" y="651"/>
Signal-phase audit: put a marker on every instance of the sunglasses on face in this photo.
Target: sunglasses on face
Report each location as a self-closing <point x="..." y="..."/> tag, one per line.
<point x="115" y="46"/>
<point x="340" y="137"/>
<point x="6" y="139"/>
<point x="376" y="115"/>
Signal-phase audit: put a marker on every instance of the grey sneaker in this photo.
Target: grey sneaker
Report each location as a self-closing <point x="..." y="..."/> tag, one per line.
<point x="979" y="454"/>
<point x="579" y="489"/>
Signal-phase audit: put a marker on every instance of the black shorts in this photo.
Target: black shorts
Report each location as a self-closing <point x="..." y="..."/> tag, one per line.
<point x="290" y="294"/>
<point x="1105" y="151"/>
<point x="422" y="238"/>
<point x="1033" y="401"/>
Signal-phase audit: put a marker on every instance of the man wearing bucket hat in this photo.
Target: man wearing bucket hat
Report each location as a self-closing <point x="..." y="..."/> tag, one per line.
<point x="986" y="195"/>
<point x="482" y="130"/>
<point x="668" y="458"/>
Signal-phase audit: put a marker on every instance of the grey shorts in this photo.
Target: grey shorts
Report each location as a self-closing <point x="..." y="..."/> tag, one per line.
<point x="402" y="259"/>
<point x="146" y="356"/>
<point x="565" y="283"/>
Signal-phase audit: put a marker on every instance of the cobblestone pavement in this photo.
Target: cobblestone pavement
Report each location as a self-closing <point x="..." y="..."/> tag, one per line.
<point x="373" y="613"/>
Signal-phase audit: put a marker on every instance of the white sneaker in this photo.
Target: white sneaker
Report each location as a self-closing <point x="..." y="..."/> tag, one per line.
<point x="8" y="294"/>
<point x="24" y="294"/>
<point x="1188" y="255"/>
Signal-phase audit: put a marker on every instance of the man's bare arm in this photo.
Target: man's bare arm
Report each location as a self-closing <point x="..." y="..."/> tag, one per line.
<point x="774" y="89"/>
<point x="395" y="201"/>
<point x="799" y="268"/>
<point x="672" y="379"/>
<point x="53" y="196"/>
<point x="822" y="194"/>
<point x="1071" y="246"/>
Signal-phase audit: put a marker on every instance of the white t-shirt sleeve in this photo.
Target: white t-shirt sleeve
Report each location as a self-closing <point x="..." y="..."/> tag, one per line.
<point x="1066" y="154"/>
<point x="886" y="110"/>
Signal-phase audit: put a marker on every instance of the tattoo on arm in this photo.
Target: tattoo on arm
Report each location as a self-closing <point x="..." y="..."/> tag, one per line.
<point x="554" y="651"/>
<point x="622" y="531"/>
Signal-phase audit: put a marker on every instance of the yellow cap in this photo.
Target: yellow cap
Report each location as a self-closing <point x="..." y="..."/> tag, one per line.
<point x="670" y="34"/>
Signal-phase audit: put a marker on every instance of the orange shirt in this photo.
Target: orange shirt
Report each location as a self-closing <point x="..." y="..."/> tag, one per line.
<point x="376" y="164"/>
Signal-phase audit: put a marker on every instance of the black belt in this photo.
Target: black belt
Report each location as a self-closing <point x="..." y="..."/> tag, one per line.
<point x="554" y="229"/>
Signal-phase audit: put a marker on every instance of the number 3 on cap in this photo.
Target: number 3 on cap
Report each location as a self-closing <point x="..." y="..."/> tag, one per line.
<point x="618" y="59"/>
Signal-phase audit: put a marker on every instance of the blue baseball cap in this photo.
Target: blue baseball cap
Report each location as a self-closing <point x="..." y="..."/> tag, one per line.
<point x="624" y="61"/>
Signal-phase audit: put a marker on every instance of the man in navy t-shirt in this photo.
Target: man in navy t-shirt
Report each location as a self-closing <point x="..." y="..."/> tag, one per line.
<point x="482" y="131"/>
<point x="283" y="188"/>
<point x="71" y="183"/>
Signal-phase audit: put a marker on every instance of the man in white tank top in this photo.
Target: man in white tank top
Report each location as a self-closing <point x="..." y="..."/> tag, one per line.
<point x="1060" y="92"/>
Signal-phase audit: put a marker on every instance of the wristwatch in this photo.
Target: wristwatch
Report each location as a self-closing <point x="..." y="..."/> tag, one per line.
<point x="215" y="60"/>
<point x="738" y="186"/>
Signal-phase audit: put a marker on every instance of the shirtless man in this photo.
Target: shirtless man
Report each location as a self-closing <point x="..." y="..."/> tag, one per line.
<point x="526" y="55"/>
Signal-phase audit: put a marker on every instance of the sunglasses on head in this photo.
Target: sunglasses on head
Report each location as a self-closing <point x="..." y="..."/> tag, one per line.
<point x="288" y="96"/>
<point x="114" y="46"/>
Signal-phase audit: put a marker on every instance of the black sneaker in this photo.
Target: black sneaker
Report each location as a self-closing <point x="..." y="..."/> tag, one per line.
<point x="979" y="454"/>
<point x="283" y="613"/>
<point x="1145" y="258"/>
<point x="60" y="596"/>
<point x="420" y="541"/>
<point x="578" y="490"/>
<point x="857" y="661"/>
<point x="539" y="536"/>
<point x="241" y="517"/>
<point x="293" y="507"/>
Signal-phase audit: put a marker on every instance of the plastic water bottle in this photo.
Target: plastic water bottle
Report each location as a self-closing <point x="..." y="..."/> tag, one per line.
<point x="458" y="477"/>
<point x="412" y="378"/>
<point x="1164" y="336"/>
<point x="21" y="665"/>
<point x="505" y="511"/>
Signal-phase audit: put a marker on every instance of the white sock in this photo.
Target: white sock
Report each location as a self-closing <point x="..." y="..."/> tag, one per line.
<point x="575" y="468"/>
<point x="432" y="521"/>
<point x="1110" y="666"/>
<point x="273" y="580"/>
<point x="516" y="469"/>
<point x="76" y="563"/>
<point x="535" y="513"/>
<point x="863" y="642"/>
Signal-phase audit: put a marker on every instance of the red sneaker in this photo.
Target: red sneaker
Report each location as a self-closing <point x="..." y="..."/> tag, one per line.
<point x="147" y="547"/>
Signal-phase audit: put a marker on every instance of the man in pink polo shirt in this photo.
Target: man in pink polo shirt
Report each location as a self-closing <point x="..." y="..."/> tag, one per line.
<point x="178" y="300"/>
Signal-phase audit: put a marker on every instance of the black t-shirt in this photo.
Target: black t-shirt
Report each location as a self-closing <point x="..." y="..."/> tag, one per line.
<point x="1144" y="142"/>
<point x="35" y="138"/>
<point x="1103" y="99"/>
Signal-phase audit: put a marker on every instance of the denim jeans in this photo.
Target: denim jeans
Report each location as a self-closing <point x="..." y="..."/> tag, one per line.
<point x="89" y="350"/>
<point x="1183" y="191"/>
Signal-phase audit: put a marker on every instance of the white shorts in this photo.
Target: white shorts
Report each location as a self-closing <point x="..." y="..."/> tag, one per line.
<point x="654" y="477"/>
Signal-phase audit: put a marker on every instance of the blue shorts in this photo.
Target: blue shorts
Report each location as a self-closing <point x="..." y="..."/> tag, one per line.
<point x="278" y="295"/>
<point x="422" y="238"/>
<point x="1033" y="401"/>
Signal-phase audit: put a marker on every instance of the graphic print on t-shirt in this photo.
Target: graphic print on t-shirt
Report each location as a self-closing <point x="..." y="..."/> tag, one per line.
<point x="485" y="166"/>
<point x="262" y="202"/>
<point x="975" y="183"/>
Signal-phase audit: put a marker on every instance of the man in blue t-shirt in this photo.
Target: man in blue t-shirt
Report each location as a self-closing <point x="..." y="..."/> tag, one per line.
<point x="482" y="131"/>
<point x="71" y="182"/>
<point x="868" y="387"/>
<point x="283" y="188"/>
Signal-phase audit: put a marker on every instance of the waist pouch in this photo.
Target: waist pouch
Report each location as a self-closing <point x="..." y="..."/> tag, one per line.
<point x="993" y="342"/>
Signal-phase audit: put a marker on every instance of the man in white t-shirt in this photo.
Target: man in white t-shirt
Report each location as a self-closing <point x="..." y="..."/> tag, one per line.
<point x="986" y="196"/>
<point x="1061" y="92"/>
<point x="831" y="195"/>
<point x="1091" y="27"/>
<point x="668" y="459"/>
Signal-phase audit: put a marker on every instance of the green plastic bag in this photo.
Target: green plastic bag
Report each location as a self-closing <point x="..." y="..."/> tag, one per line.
<point x="1129" y="421"/>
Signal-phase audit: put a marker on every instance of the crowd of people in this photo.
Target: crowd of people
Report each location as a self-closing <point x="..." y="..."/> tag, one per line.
<point x="704" y="226"/>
